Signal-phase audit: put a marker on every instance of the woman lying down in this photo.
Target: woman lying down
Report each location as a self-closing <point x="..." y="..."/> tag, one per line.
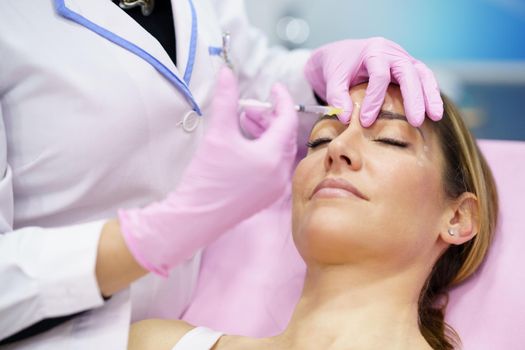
<point x="387" y="219"/>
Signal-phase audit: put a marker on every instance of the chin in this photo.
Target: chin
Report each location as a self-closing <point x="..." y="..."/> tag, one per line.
<point x="339" y="210"/>
<point x="332" y="214"/>
<point x="327" y="233"/>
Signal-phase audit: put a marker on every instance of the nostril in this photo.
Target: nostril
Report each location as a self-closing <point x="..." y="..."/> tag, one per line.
<point x="346" y="159"/>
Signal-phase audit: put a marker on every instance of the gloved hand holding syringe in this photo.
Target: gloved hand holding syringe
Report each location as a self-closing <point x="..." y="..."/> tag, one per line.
<point x="257" y="115"/>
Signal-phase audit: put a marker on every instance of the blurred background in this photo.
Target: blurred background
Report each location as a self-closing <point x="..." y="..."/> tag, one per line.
<point x="476" y="48"/>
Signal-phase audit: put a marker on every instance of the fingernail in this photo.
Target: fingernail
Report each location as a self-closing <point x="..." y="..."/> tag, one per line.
<point x="437" y="112"/>
<point x="344" y="117"/>
<point x="417" y="122"/>
<point x="366" y="120"/>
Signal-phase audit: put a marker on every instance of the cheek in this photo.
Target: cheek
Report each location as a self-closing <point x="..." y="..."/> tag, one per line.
<point x="408" y="184"/>
<point x="410" y="197"/>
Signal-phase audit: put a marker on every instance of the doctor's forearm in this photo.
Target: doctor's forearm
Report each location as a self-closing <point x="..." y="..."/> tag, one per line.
<point x="116" y="267"/>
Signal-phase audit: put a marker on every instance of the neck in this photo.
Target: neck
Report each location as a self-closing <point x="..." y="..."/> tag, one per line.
<point x="343" y="307"/>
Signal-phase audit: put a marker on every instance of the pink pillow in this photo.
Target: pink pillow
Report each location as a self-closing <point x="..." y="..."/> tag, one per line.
<point x="488" y="311"/>
<point x="252" y="277"/>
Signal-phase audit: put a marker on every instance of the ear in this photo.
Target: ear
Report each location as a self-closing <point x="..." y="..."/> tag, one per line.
<point x="461" y="222"/>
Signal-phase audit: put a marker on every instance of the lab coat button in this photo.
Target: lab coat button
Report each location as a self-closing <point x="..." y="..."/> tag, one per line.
<point x="190" y="121"/>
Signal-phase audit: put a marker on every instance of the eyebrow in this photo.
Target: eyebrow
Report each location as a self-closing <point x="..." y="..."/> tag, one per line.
<point x="382" y="115"/>
<point x="396" y="116"/>
<point x="324" y="117"/>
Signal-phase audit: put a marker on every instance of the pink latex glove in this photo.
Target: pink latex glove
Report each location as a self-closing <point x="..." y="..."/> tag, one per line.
<point x="333" y="68"/>
<point x="254" y="121"/>
<point x="229" y="179"/>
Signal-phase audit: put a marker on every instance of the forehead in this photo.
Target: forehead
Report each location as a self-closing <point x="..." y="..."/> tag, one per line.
<point x="393" y="101"/>
<point x="392" y="105"/>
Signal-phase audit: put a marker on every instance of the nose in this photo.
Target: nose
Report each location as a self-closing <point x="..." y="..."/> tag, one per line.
<point x="343" y="152"/>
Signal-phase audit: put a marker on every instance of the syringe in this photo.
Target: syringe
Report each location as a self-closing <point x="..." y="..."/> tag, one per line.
<point x="315" y="109"/>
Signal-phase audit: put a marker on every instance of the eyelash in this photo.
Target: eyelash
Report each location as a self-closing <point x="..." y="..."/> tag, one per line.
<point x="392" y="142"/>
<point x="385" y="140"/>
<point x="318" y="142"/>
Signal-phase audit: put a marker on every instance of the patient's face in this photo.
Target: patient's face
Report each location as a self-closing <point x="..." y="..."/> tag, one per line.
<point x="385" y="197"/>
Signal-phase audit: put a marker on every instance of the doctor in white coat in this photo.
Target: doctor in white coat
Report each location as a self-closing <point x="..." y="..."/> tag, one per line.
<point x="104" y="171"/>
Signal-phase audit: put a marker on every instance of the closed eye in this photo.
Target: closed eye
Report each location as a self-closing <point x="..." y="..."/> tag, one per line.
<point x="318" y="142"/>
<point x="392" y="142"/>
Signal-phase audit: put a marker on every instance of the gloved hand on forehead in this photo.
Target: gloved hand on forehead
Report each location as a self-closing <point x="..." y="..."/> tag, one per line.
<point x="229" y="179"/>
<point x="333" y="68"/>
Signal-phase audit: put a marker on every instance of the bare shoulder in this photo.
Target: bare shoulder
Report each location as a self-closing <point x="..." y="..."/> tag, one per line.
<point x="157" y="334"/>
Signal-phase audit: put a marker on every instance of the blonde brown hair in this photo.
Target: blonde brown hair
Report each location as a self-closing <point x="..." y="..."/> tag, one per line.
<point x="465" y="170"/>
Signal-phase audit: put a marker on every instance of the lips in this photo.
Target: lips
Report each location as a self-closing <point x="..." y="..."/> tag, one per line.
<point x="336" y="188"/>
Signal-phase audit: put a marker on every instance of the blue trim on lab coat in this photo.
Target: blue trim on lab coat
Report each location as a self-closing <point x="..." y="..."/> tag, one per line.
<point x="193" y="45"/>
<point x="182" y="86"/>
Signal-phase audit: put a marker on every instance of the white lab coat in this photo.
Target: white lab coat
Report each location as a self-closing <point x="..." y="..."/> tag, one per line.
<point x="87" y="127"/>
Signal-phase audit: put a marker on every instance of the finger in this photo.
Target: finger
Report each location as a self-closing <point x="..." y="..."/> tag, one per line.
<point x="431" y="93"/>
<point x="408" y="79"/>
<point x="255" y="121"/>
<point x="283" y="128"/>
<point x="337" y="96"/>
<point x="379" y="73"/>
<point x="225" y="102"/>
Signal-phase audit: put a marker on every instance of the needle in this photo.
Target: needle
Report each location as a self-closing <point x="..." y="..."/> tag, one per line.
<point x="315" y="109"/>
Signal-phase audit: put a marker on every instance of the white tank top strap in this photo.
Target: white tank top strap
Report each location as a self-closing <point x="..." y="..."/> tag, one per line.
<point x="199" y="338"/>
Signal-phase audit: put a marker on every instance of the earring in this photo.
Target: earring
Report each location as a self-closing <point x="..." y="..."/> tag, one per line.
<point x="451" y="232"/>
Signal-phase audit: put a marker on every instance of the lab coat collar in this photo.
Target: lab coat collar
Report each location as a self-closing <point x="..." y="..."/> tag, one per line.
<point x="186" y="49"/>
<point x="110" y="22"/>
